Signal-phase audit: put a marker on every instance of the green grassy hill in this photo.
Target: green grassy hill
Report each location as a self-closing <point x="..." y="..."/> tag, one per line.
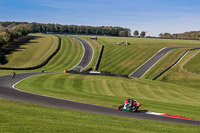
<point x="31" y="53"/>
<point x="125" y="59"/>
<point x="181" y="75"/>
<point x="68" y="56"/>
<point x="193" y="65"/>
<point x="112" y="91"/>
<point x="165" y="62"/>
<point x="178" y="96"/>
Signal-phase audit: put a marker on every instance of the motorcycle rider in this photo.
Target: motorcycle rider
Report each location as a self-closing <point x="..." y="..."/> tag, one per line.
<point x="13" y="74"/>
<point x="128" y="103"/>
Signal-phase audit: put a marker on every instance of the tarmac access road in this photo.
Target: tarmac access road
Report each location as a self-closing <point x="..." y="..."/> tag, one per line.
<point x="144" y="68"/>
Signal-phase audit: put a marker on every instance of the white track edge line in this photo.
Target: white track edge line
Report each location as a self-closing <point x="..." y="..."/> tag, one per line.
<point x="154" y="113"/>
<point x="92" y="54"/>
<point x="81" y="57"/>
<point x="13" y="86"/>
<point x="84" y="54"/>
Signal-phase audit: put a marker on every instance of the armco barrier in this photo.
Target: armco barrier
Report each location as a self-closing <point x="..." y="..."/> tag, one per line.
<point x="99" y="58"/>
<point x="102" y="73"/>
<point x="173" y="63"/>
<point x="40" y="65"/>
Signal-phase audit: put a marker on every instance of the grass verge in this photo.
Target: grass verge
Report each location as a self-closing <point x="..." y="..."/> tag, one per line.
<point x="180" y="76"/>
<point x="193" y="64"/>
<point x="22" y="118"/>
<point x="165" y="62"/>
<point x="31" y="53"/>
<point x="112" y="91"/>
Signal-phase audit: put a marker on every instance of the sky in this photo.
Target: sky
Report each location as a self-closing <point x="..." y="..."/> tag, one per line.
<point x="152" y="16"/>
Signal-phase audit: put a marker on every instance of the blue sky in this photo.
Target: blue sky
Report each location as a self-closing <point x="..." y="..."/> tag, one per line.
<point x="153" y="16"/>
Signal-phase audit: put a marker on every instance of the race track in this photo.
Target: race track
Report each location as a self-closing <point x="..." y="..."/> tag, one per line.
<point x="7" y="91"/>
<point x="140" y="71"/>
<point x="88" y="53"/>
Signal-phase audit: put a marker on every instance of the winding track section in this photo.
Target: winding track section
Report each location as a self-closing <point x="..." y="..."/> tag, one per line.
<point x="144" y="68"/>
<point x="88" y="53"/>
<point x="7" y="91"/>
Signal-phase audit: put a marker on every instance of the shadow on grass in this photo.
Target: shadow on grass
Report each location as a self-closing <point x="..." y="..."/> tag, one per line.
<point x="16" y="46"/>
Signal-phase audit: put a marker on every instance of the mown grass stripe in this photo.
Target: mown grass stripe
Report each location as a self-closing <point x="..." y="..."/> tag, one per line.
<point x="34" y="118"/>
<point x="110" y="91"/>
<point x="68" y="56"/>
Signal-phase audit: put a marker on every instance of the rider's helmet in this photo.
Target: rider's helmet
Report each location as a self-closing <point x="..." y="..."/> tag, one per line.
<point x="129" y="101"/>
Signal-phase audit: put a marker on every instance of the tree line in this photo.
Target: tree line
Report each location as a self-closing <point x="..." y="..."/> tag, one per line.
<point x="75" y="29"/>
<point x="12" y="32"/>
<point x="186" y="35"/>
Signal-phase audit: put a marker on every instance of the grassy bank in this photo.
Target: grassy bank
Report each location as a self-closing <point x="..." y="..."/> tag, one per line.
<point x="181" y="76"/>
<point x="31" y="53"/>
<point x="68" y="56"/>
<point x="112" y="91"/>
<point x="165" y="62"/>
<point x="125" y="59"/>
<point x="22" y="118"/>
<point x="193" y="64"/>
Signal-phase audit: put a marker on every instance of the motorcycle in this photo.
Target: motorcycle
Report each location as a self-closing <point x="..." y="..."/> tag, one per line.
<point x="132" y="107"/>
<point x="13" y="74"/>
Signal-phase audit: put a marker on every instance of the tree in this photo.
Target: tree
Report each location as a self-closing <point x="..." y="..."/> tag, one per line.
<point x="136" y="33"/>
<point x="122" y="33"/>
<point x="161" y="35"/>
<point x="167" y="35"/>
<point x="142" y="34"/>
<point x="175" y="36"/>
<point x="1" y="41"/>
<point x="5" y="36"/>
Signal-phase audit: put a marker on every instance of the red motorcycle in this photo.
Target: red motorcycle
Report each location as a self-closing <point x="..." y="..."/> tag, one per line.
<point x="130" y="105"/>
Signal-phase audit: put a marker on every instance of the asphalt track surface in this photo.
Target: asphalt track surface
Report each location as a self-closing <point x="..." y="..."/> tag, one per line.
<point x="139" y="72"/>
<point x="88" y="53"/>
<point x="7" y="91"/>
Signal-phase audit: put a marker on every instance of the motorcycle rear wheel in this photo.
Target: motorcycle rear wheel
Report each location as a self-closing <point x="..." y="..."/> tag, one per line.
<point x="134" y="109"/>
<point x="120" y="108"/>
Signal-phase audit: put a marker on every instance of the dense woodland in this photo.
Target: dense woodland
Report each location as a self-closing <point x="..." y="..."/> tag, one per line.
<point x="186" y="35"/>
<point x="13" y="30"/>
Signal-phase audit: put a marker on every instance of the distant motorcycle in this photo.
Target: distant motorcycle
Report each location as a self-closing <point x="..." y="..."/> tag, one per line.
<point x="13" y="74"/>
<point x="130" y="105"/>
